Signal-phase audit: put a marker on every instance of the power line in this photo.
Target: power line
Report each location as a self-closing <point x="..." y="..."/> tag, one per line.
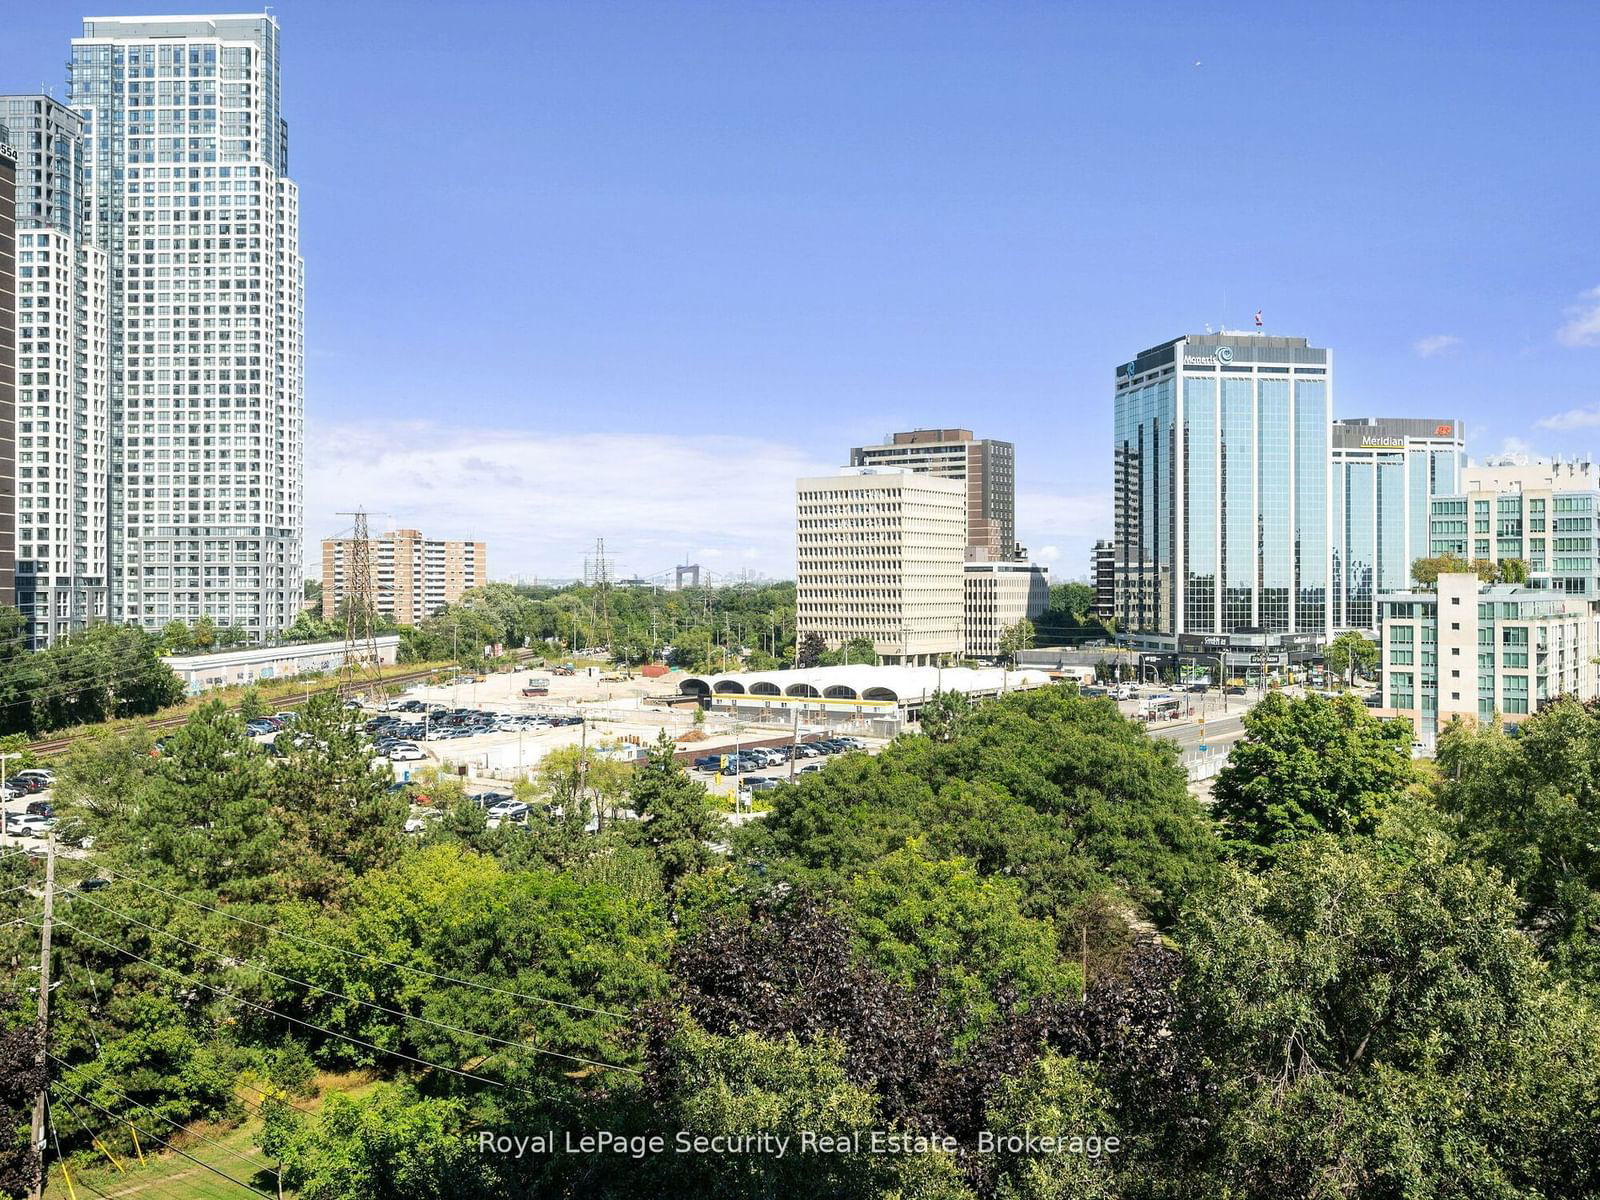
<point x="484" y="987"/>
<point x="354" y="1041"/>
<point x="164" y="1142"/>
<point x="393" y="1012"/>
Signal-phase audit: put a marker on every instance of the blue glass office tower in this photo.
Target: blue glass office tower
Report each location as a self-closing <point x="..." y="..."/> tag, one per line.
<point x="1221" y="497"/>
<point x="1386" y="473"/>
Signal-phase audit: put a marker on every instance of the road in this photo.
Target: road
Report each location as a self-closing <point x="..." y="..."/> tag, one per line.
<point x="1218" y="733"/>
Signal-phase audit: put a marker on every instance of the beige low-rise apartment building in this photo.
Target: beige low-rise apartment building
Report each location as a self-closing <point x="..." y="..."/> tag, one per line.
<point x="879" y="555"/>
<point x="413" y="577"/>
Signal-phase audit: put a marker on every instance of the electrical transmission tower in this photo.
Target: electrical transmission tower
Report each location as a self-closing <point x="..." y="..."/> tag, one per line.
<point x="361" y="671"/>
<point x="597" y="572"/>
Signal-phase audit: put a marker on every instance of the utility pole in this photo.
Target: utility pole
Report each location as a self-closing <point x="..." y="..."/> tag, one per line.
<point x="44" y="1014"/>
<point x="794" y="741"/>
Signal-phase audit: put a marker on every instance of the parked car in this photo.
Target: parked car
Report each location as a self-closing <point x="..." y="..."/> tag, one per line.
<point x="760" y="783"/>
<point x="511" y="809"/>
<point x="28" y="825"/>
<point x="406" y="753"/>
<point x="809" y="769"/>
<point x="28" y="784"/>
<point x="40" y="808"/>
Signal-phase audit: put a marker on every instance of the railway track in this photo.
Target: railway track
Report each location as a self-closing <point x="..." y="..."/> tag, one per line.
<point x="59" y="745"/>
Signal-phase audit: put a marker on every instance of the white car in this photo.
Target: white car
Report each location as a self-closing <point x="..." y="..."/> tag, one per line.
<point x="406" y="754"/>
<point x="514" y="810"/>
<point x="28" y="825"/>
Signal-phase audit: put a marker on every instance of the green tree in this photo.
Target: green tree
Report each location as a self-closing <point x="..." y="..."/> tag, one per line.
<point x="392" y="1142"/>
<point x="1058" y="791"/>
<point x="1310" y="766"/>
<point x="588" y="947"/>
<point x="943" y="714"/>
<point x="1377" y="1027"/>
<point x="177" y="638"/>
<point x="1426" y="571"/>
<point x="200" y="815"/>
<point x="745" y="1084"/>
<point x="333" y="802"/>
<point x="204" y="634"/>
<point x="1530" y="806"/>
<point x="582" y="783"/>
<point x="677" y="819"/>
<point x="1054" y="1097"/>
<point x="924" y="919"/>
<point x="251" y="705"/>
<point x="1016" y="638"/>
<point x="1350" y="654"/>
<point x="1512" y="570"/>
<point x="859" y="651"/>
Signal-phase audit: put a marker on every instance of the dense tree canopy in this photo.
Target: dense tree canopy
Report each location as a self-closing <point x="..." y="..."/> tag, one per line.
<point x="1022" y="922"/>
<point x="1530" y="806"/>
<point x="1310" y="766"/>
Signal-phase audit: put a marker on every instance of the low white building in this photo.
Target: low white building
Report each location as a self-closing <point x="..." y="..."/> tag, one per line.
<point x="831" y="694"/>
<point x="998" y="595"/>
<point x="228" y="668"/>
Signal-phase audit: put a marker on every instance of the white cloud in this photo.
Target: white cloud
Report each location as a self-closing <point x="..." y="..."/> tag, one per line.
<point x="1573" y="418"/>
<point x="1515" y="445"/>
<point x="1583" y="322"/>
<point x="1048" y="555"/>
<point x="1438" y="343"/>
<point x="540" y="500"/>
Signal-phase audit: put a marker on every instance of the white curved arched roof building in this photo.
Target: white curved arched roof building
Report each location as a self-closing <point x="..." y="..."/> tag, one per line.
<point x="853" y="689"/>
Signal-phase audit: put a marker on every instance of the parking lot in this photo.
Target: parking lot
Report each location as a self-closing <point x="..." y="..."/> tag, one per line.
<point x="27" y="807"/>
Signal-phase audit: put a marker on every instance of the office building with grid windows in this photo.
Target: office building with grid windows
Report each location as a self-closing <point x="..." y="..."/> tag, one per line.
<point x="1385" y="474"/>
<point x="1221" y="459"/>
<point x="188" y="194"/>
<point x="63" y="377"/>
<point x="987" y="467"/>
<point x="880" y="555"/>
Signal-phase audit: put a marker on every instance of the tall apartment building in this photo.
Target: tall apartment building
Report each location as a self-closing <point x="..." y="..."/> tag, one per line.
<point x="998" y="595"/>
<point x="1386" y="472"/>
<point x="413" y="577"/>
<point x="1103" y="577"/>
<point x="188" y="194"/>
<point x="986" y="467"/>
<point x="1220" y="477"/>
<point x="1473" y="650"/>
<point x="880" y="555"/>
<point x="64" y="376"/>
<point x="8" y="366"/>
<point x="1545" y="513"/>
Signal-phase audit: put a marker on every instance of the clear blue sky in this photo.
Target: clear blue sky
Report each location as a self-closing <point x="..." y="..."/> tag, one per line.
<point x="625" y="269"/>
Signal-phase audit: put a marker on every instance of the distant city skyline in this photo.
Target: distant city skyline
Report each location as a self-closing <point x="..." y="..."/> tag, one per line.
<point x="721" y="244"/>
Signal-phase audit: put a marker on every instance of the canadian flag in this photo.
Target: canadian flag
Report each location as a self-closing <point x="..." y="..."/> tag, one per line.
<point x="1258" y="318"/>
